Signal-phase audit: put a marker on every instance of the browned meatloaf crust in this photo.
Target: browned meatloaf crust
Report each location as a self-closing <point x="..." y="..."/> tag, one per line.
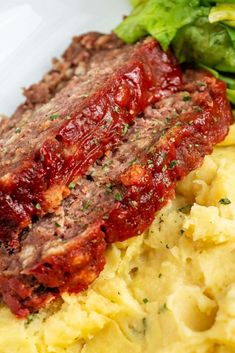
<point x="118" y="196"/>
<point x="74" y="62"/>
<point x="56" y="143"/>
<point x="4" y="123"/>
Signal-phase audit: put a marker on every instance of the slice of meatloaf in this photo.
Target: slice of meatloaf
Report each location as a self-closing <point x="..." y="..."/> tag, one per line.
<point x="118" y="197"/>
<point x="61" y="139"/>
<point x="74" y="62"/>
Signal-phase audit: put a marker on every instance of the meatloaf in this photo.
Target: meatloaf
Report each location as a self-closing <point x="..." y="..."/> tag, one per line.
<point x="57" y="143"/>
<point x="74" y="62"/>
<point x="4" y="120"/>
<point x="118" y="196"/>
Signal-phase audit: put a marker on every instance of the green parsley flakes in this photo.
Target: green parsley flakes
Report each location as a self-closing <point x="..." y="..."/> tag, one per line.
<point x="144" y="321"/>
<point x="108" y="121"/>
<point x="168" y="120"/>
<point x="201" y="84"/>
<point x="86" y="205"/>
<point x="198" y="109"/>
<point x="96" y="142"/>
<point x="125" y="129"/>
<point x="150" y="164"/>
<point x="145" y="300"/>
<point x="134" y="203"/>
<point x="38" y="206"/>
<point x="18" y="130"/>
<point x="54" y="117"/>
<point x="178" y="123"/>
<point x="134" y="161"/>
<point x="29" y="319"/>
<point x="105" y="217"/>
<point x="116" y="109"/>
<point x="173" y="163"/>
<point x="162" y="308"/>
<point x="72" y="185"/>
<point x="106" y="166"/>
<point x="163" y="155"/>
<point x="185" y="209"/>
<point x="118" y="196"/>
<point x="224" y="201"/>
<point x="187" y="98"/>
<point x="109" y="188"/>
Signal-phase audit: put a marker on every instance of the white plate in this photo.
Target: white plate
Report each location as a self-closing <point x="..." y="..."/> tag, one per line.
<point x="34" y="31"/>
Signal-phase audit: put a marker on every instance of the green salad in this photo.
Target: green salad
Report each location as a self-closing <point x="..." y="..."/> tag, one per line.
<point x="201" y="32"/>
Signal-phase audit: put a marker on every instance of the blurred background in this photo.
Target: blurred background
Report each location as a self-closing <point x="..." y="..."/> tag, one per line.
<point x="34" y="31"/>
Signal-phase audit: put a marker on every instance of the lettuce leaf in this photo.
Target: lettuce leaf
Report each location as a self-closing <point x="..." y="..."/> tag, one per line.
<point x="159" y="18"/>
<point x="199" y="31"/>
<point x="231" y="95"/>
<point x="208" y="44"/>
<point x="223" y="13"/>
<point x="194" y="38"/>
<point x="230" y="81"/>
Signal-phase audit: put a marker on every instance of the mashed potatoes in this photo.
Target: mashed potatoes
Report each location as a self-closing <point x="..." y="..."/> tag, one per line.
<point x="169" y="290"/>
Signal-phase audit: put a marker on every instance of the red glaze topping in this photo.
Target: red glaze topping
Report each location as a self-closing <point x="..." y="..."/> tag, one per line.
<point x="144" y="188"/>
<point x="38" y="185"/>
<point x="72" y="270"/>
<point x="147" y="187"/>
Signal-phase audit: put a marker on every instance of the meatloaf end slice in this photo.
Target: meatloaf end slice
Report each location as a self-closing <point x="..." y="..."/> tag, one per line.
<point x="65" y="136"/>
<point x="74" y="62"/>
<point x="119" y="195"/>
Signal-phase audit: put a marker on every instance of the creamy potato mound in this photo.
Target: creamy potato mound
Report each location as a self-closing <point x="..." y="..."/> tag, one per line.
<point x="172" y="289"/>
